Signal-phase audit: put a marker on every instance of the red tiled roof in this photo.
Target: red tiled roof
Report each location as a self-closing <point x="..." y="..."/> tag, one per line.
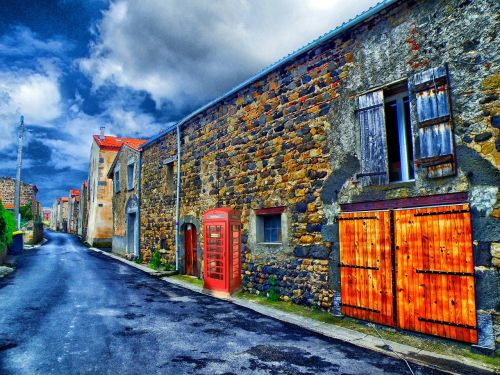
<point x="114" y="143"/>
<point x="74" y="193"/>
<point x="8" y="206"/>
<point x="64" y="199"/>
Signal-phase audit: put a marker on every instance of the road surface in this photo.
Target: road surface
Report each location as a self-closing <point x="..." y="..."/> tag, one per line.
<point x="69" y="310"/>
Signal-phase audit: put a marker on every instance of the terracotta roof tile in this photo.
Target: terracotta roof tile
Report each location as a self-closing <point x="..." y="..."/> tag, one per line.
<point x="114" y="143"/>
<point x="74" y="193"/>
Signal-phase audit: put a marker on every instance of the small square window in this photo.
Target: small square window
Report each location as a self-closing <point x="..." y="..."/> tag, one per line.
<point x="269" y="225"/>
<point x="272" y="228"/>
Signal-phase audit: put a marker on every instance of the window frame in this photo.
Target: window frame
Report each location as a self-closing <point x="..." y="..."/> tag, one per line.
<point x="116" y="180"/>
<point x="404" y="153"/>
<point x="276" y="213"/>
<point x="131" y="178"/>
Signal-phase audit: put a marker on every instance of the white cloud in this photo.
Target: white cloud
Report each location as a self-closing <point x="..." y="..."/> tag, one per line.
<point x="180" y="50"/>
<point x="71" y="148"/>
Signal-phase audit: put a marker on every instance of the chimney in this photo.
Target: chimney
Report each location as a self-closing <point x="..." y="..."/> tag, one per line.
<point x="101" y="136"/>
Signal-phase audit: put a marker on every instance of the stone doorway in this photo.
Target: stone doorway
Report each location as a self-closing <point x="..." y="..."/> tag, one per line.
<point x="132" y="226"/>
<point x="190" y="246"/>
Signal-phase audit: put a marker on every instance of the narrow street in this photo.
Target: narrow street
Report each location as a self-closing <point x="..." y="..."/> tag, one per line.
<point x="68" y="310"/>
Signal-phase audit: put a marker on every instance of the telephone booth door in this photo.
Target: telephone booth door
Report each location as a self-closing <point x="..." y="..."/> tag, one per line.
<point x="222" y="260"/>
<point x="215" y="245"/>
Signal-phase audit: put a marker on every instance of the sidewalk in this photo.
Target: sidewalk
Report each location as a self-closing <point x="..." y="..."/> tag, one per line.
<point x="397" y="350"/>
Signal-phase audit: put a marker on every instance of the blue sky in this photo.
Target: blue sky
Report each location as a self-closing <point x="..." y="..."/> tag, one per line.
<point x="135" y="67"/>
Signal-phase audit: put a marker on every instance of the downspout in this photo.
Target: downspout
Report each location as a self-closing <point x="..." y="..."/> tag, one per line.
<point x="138" y="239"/>
<point x="177" y="198"/>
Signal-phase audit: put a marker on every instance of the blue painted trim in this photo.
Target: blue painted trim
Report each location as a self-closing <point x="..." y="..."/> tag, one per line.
<point x="315" y="43"/>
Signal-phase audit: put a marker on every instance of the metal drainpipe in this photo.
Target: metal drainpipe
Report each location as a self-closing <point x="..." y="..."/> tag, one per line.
<point x="138" y="239"/>
<point x="177" y="198"/>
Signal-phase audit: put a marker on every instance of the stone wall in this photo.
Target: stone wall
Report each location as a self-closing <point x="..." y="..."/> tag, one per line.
<point x="292" y="139"/>
<point x="32" y="233"/>
<point x="28" y="194"/>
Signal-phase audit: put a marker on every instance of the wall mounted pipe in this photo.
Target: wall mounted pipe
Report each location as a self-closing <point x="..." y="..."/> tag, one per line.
<point x="177" y="198"/>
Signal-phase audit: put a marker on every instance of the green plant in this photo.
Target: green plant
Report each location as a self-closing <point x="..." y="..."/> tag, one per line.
<point x="138" y="259"/>
<point x="7" y="227"/>
<point x="155" y="260"/>
<point x="27" y="212"/>
<point x="168" y="266"/>
<point x="273" y="293"/>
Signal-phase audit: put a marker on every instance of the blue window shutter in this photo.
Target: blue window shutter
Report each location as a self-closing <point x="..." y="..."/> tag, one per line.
<point x="373" y="139"/>
<point x="435" y="122"/>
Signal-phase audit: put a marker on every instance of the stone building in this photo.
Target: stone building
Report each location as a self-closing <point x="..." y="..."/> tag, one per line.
<point x="28" y="195"/>
<point x="62" y="214"/>
<point x="125" y="176"/>
<point x="100" y="214"/>
<point x="73" y="210"/>
<point x="379" y="138"/>
<point x="83" y="212"/>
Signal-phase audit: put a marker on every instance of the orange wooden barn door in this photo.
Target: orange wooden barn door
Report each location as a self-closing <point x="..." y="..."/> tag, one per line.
<point x="435" y="272"/>
<point x="366" y="266"/>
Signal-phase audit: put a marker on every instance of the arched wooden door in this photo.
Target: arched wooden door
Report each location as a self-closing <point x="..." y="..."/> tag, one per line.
<point x="190" y="246"/>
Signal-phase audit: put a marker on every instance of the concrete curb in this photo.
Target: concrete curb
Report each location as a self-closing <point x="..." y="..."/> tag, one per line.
<point x="396" y="350"/>
<point x="30" y="247"/>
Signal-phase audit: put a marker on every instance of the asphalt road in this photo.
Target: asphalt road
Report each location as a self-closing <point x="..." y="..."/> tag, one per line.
<point x="69" y="310"/>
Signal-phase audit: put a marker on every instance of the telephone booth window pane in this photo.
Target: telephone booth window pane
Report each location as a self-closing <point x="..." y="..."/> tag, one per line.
<point x="235" y="229"/>
<point x="215" y="258"/>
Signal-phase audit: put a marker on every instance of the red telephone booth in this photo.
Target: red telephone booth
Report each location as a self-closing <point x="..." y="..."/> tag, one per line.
<point x="222" y="250"/>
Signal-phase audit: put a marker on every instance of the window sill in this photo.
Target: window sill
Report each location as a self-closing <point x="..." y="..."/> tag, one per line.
<point x="270" y="243"/>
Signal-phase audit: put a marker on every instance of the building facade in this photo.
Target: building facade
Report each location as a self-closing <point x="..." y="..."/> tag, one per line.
<point x="125" y="175"/>
<point x="73" y="210"/>
<point x="380" y="138"/>
<point x="100" y="214"/>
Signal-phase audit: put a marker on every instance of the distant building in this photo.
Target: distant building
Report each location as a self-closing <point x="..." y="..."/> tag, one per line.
<point x="125" y="173"/>
<point x="46" y="215"/>
<point x="100" y="215"/>
<point x="73" y="210"/>
<point x="28" y="195"/>
<point x="59" y="219"/>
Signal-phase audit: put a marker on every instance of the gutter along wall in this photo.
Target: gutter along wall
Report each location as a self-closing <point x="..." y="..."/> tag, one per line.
<point x="292" y="139"/>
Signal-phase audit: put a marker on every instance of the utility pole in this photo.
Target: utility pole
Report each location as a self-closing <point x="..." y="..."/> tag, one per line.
<point x="17" y="195"/>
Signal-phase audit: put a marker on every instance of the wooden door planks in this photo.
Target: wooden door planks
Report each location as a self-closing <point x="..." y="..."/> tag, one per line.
<point x="433" y="273"/>
<point x="365" y="260"/>
<point x="435" y="280"/>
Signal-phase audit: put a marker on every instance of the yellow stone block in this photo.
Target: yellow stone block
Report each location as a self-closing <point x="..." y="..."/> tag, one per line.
<point x="307" y="239"/>
<point x="311" y="207"/>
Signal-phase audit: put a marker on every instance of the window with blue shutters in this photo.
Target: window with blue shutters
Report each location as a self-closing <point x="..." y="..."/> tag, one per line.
<point x="436" y="146"/>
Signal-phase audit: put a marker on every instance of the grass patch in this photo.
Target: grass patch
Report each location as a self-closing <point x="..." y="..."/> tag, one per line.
<point x="431" y="344"/>
<point x="188" y="279"/>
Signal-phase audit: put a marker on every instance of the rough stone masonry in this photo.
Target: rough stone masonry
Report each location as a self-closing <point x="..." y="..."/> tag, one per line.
<point x="292" y="139"/>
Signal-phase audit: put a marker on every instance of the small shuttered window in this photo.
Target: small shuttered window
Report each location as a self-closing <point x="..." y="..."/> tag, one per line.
<point x="435" y="122"/>
<point x="373" y="139"/>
